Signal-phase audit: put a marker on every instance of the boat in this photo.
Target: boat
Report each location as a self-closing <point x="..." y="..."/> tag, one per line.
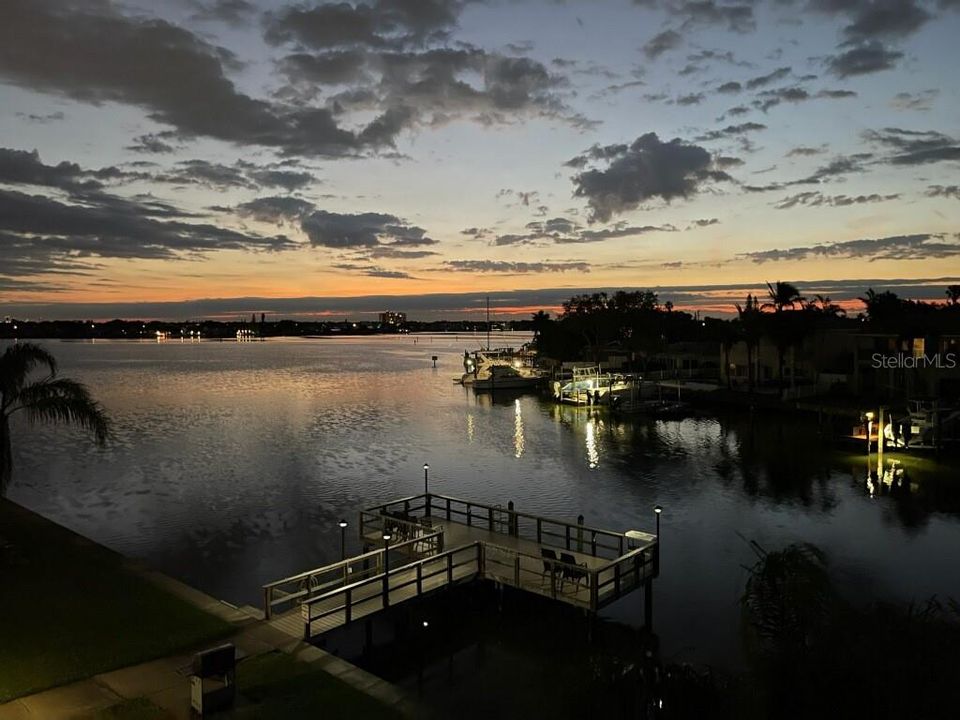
<point x="514" y="369"/>
<point x="505" y="377"/>
<point x="590" y="386"/>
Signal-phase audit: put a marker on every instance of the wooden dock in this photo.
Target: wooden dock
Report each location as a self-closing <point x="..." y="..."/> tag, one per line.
<point x="421" y="544"/>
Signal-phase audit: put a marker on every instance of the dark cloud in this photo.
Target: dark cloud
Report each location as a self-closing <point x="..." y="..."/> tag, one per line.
<point x="915" y="147"/>
<point x="725" y="161"/>
<point x="863" y="59"/>
<point x="921" y="100"/>
<point x="771" y="98"/>
<point x="647" y="168"/>
<point x="921" y="246"/>
<point x="691" y="99"/>
<point x="803" y="151"/>
<point x="817" y="199"/>
<point x="731" y="131"/>
<point x="179" y="78"/>
<point x="275" y="209"/>
<point x="242" y="174"/>
<point x="504" y="267"/>
<point x="55" y="233"/>
<point x="153" y="143"/>
<point x="734" y="17"/>
<point x="661" y="43"/>
<point x="232" y="12"/>
<point x="388" y="274"/>
<point x="771" y="77"/>
<point x="380" y="24"/>
<point x="431" y="87"/>
<point x="729" y="88"/>
<point x="706" y="222"/>
<point x="885" y="19"/>
<point x="19" y="167"/>
<point x="947" y="191"/>
<point x="287" y="179"/>
<point x="361" y="230"/>
<point x="330" y="68"/>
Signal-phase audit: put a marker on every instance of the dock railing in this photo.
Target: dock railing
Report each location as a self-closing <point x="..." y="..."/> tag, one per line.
<point x="422" y="538"/>
<point x="378" y="592"/>
<point x="575" y="584"/>
<point x="548" y="532"/>
<point x="320" y="581"/>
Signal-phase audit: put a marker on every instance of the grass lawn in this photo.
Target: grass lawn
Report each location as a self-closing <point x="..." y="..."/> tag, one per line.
<point x="275" y="685"/>
<point x="69" y="609"/>
<point x="136" y="709"/>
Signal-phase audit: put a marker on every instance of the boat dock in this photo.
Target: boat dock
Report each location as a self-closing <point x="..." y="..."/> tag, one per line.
<point x="419" y="545"/>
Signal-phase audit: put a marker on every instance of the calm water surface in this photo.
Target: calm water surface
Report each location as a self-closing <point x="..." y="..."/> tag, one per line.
<point x="233" y="462"/>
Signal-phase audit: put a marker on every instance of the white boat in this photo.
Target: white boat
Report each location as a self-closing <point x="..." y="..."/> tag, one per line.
<point x="505" y="377"/>
<point x="513" y="369"/>
<point x="590" y="386"/>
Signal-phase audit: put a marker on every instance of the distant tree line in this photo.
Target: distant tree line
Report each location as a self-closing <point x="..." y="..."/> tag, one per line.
<point x="638" y="324"/>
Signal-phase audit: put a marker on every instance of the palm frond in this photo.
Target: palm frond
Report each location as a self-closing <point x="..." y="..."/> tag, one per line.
<point x="64" y="401"/>
<point x="18" y="361"/>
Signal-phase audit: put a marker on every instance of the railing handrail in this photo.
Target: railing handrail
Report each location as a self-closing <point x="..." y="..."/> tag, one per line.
<point x="340" y="564"/>
<point x="379" y="577"/>
<point x="538" y="558"/>
<point x="500" y="508"/>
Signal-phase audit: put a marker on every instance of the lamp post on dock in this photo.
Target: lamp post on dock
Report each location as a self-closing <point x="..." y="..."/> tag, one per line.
<point x="386" y="568"/>
<point x="426" y="478"/>
<point x="657" y="509"/>
<point x="343" y="539"/>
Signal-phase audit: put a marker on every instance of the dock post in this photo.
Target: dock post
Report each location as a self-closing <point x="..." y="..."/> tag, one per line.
<point x="511" y="520"/>
<point x="427" y="509"/>
<point x="579" y="533"/>
<point x="648" y="605"/>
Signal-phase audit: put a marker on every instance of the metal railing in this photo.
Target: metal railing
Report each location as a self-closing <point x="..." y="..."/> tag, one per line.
<point x="408" y="581"/>
<point x="545" y="531"/>
<point x="319" y="581"/>
<point x="573" y="583"/>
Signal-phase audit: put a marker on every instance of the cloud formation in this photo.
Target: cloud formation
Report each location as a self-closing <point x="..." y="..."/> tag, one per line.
<point x="648" y="168"/>
<point x="921" y="246"/>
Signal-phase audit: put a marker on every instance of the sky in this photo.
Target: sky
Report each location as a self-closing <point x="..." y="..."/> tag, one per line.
<point x="213" y="158"/>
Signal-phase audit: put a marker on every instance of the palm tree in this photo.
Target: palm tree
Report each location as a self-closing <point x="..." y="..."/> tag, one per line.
<point x="49" y="399"/>
<point x="750" y="317"/>
<point x="781" y="296"/>
<point x="953" y="294"/>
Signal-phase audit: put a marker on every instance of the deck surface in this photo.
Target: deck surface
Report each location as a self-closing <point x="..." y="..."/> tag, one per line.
<point x="512" y="561"/>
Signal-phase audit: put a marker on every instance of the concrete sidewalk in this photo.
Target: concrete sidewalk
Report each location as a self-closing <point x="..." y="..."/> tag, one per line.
<point x="165" y="682"/>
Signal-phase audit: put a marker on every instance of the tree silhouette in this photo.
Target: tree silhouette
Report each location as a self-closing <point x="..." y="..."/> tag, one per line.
<point x="49" y="399"/>
<point x="750" y="317"/>
<point x="953" y="294"/>
<point x="781" y="296"/>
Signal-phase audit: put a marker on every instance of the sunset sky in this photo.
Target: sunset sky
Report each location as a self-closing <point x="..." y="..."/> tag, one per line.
<point x="208" y="157"/>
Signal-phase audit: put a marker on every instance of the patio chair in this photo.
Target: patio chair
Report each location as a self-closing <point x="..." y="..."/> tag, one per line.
<point x="549" y="565"/>
<point x="572" y="570"/>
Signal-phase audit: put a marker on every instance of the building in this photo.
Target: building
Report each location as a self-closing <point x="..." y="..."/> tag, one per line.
<point x="393" y="319"/>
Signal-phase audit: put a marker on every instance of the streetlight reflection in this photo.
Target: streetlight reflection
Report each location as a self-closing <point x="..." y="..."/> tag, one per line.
<point x="517" y="430"/>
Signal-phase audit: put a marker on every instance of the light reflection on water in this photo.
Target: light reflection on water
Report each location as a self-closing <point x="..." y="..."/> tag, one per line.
<point x="233" y="463"/>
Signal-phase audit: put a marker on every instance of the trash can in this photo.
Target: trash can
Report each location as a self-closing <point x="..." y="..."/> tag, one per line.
<point x="213" y="681"/>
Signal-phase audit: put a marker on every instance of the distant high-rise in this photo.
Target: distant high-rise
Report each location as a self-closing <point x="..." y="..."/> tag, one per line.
<point x="393" y="318"/>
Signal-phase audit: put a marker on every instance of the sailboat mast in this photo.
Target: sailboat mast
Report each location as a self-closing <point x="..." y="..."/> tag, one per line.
<point x="488" y="322"/>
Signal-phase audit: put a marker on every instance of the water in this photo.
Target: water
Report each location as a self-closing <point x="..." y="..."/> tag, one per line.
<point x="232" y="464"/>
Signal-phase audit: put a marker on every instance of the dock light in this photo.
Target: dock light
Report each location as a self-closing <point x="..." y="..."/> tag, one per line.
<point x="657" y="509"/>
<point x="343" y="539"/>
<point x="869" y="416"/>
<point x="426" y="478"/>
<point x="426" y="624"/>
